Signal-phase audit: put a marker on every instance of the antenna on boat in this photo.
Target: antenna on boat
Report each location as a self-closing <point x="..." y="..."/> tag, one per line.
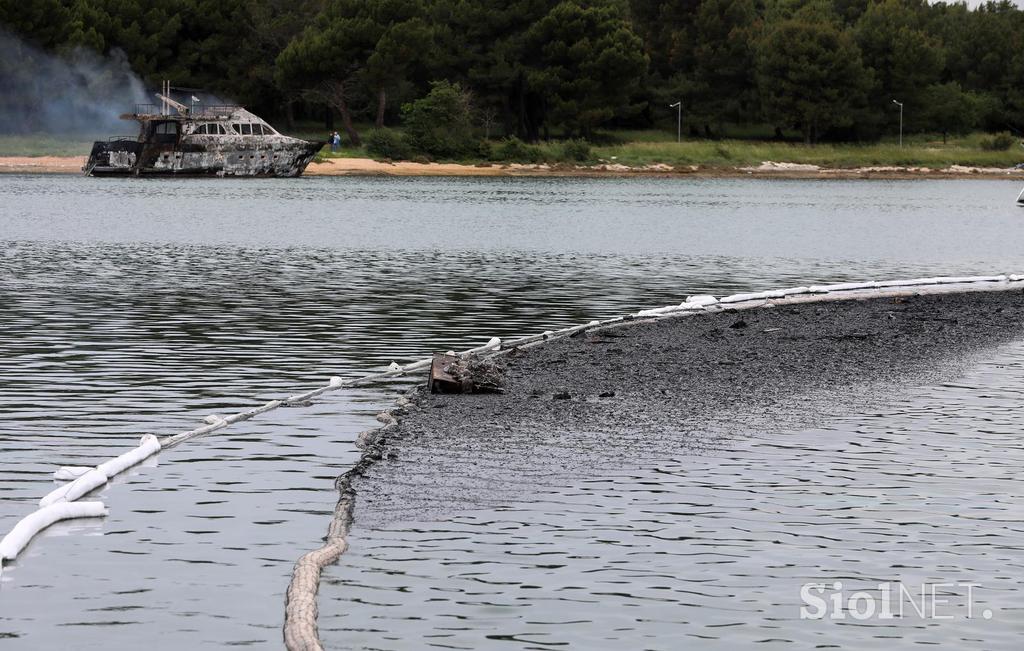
<point x="165" y="91"/>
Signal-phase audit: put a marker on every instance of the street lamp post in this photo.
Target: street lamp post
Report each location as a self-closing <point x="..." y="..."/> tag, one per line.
<point x="900" y="104"/>
<point x="679" y="119"/>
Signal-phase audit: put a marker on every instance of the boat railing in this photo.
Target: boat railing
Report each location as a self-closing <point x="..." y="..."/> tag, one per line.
<point x="117" y="138"/>
<point x="145" y="109"/>
<point x="214" y="109"/>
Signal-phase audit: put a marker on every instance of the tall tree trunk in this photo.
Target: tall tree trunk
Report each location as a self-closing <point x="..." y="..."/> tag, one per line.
<point x="522" y="109"/>
<point x="346" y="121"/>
<point x="382" y="100"/>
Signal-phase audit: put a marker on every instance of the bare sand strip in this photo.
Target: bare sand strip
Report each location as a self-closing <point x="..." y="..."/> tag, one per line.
<point x="42" y="164"/>
<point x="767" y="169"/>
<point x="370" y="167"/>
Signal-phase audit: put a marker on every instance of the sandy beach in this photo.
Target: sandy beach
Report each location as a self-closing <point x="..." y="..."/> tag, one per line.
<point x="42" y="164"/>
<point x="370" y="167"/>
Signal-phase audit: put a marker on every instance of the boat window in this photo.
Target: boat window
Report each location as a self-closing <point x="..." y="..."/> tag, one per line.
<point x="220" y="129"/>
<point x="163" y="132"/>
<point x="237" y="128"/>
<point x="246" y="129"/>
<point x="257" y="129"/>
<point x="201" y="129"/>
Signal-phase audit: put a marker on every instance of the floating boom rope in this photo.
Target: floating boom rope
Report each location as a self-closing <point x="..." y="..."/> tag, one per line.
<point x="84" y="480"/>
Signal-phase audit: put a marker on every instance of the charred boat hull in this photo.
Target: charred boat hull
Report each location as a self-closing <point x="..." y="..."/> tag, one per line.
<point x="131" y="158"/>
<point x="213" y="141"/>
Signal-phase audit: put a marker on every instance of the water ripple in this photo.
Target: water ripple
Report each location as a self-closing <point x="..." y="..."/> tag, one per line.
<point x="136" y="306"/>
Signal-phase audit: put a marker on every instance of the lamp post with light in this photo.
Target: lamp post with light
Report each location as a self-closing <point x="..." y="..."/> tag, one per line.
<point x="900" y="104"/>
<point x="679" y="119"/>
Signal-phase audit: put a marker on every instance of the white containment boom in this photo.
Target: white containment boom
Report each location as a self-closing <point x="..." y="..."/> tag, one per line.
<point x="33" y="523"/>
<point x="88" y="480"/>
<point x="85" y="484"/>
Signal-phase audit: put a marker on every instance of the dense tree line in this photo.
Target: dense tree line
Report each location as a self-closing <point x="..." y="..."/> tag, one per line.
<point x="537" y="68"/>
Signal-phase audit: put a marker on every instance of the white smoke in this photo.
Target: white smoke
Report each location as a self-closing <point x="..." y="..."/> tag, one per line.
<point x="79" y="93"/>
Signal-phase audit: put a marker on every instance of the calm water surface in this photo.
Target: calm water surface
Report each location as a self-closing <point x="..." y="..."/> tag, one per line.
<point x="131" y="307"/>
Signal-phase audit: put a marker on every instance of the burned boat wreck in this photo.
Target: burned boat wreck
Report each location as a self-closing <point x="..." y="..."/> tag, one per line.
<point x="213" y="140"/>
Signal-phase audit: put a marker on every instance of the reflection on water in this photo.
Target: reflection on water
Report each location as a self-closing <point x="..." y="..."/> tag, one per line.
<point x="129" y="307"/>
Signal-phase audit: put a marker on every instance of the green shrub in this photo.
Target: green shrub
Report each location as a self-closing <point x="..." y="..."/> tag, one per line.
<point x="998" y="142"/>
<point x="514" y="150"/>
<point x="576" y="151"/>
<point x="385" y="143"/>
<point x="440" y="124"/>
<point x="485" y="150"/>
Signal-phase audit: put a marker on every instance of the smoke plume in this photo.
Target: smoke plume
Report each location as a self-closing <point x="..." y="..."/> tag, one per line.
<point x="79" y="93"/>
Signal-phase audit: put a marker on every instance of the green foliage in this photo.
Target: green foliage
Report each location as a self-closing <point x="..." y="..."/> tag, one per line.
<point x="810" y="74"/>
<point x="46" y="23"/>
<point x="918" y="151"/>
<point x="998" y="142"/>
<point x="440" y="124"/>
<point x="667" y="29"/>
<point x="514" y="150"/>
<point x="355" y="47"/>
<point x="562" y="68"/>
<point x="724" y="85"/>
<point x="948" y="109"/>
<point x="484" y="150"/>
<point x="577" y="151"/>
<point x="586" y="62"/>
<point x="387" y="144"/>
<point x="905" y="60"/>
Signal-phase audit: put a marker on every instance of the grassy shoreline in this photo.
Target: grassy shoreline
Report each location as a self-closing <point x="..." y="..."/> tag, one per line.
<point x="640" y="150"/>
